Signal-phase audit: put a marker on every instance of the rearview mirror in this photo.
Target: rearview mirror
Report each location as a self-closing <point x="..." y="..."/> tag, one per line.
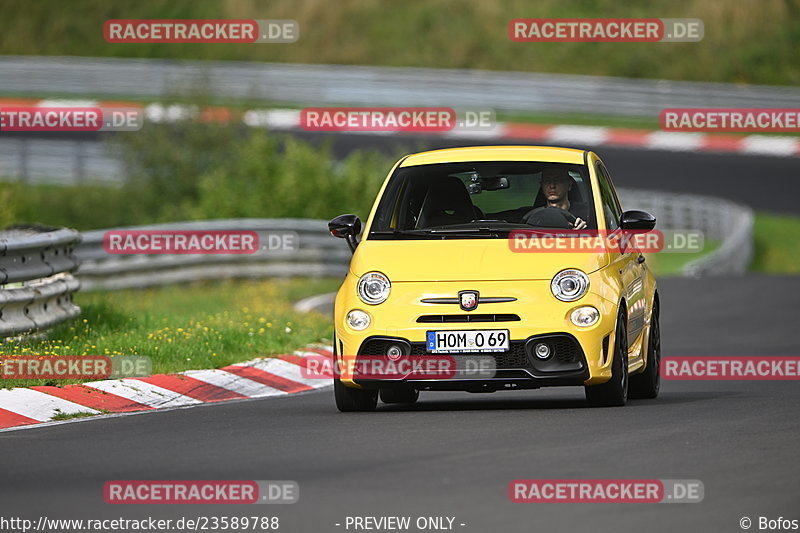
<point x="637" y="220"/>
<point x="346" y="227"/>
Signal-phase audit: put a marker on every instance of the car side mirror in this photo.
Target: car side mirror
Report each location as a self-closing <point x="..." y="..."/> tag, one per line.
<point x="346" y="227"/>
<point x="639" y="220"/>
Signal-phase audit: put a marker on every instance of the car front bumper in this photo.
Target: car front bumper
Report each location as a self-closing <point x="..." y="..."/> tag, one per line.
<point x="533" y="315"/>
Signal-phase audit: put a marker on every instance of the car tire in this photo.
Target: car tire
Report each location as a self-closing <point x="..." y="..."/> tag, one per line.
<point x="614" y="392"/>
<point x="349" y="399"/>
<point x="648" y="383"/>
<point x="399" y="395"/>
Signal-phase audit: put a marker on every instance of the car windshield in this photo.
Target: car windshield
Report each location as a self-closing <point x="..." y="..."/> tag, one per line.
<point x="483" y="199"/>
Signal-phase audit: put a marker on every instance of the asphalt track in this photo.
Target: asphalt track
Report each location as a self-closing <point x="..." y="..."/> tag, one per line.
<point x="454" y="454"/>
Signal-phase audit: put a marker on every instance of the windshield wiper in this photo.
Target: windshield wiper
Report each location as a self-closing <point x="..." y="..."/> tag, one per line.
<point x="481" y="230"/>
<point x="399" y="232"/>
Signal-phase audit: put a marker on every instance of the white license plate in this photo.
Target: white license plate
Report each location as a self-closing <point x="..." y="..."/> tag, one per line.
<point x="480" y="340"/>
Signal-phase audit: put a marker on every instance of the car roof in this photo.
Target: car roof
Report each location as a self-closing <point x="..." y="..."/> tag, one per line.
<point x="496" y="153"/>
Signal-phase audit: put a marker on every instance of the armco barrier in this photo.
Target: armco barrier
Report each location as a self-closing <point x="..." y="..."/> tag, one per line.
<point x="319" y="254"/>
<point x="342" y="85"/>
<point x="36" y="284"/>
<point x="728" y="223"/>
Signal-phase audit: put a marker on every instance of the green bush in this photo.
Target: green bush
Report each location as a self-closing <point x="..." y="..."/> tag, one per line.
<point x="77" y="206"/>
<point x="193" y="170"/>
<point x="289" y="179"/>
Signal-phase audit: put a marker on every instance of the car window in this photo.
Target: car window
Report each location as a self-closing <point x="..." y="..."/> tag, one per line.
<point x="496" y="194"/>
<point x="611" y="208"/>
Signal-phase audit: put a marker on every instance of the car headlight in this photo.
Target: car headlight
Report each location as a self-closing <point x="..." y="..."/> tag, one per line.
<point x="569" y="285"/>
<point x="358" y="319"/>
<point x="585" y="316"/>
<point x="373" y="288"/>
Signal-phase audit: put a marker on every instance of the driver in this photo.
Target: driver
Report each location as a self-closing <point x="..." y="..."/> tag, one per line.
<point x="556" y="184"/>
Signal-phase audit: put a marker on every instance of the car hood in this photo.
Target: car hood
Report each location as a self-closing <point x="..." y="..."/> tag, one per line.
<point x="465" y="260"/>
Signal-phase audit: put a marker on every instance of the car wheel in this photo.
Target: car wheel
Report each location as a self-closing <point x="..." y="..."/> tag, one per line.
<point x="648" y="383"/>
<point x="399" y="395"/>
<point x="614" y="392"/>
<point x="349" y="399"/>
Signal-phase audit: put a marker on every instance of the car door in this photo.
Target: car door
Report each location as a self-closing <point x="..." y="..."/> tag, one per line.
<point x="629" y="262"/>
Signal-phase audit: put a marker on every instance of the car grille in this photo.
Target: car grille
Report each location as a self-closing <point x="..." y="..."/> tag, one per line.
<point x="514" y="358"/>
<point x="566" y="350"/>
<point x="445" y="319"/>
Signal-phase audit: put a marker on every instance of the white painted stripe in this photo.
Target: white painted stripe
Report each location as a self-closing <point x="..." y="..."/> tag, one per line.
<point x="288" y="370"/>
<point x="272" y="118"/>
<point x="68" y="103"/>
<point x="496" y="132"/>
<point x="577" y="134"/>
<point x="142" y="392"/>
<point x="324" y="347"/>
<point x="38" y="405"/>
<point x="770" y="145"/>
<point x="673" y="140"/>
<point x="302" y="353"/>
<point x="160" y="113"/>
<point x="313" y="302"/>
<point x="226" y="380"/>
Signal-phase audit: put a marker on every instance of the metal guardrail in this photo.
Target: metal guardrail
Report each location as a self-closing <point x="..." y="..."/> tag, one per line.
<point x="320" y="255"/>
<point x="317" y="254"/>
<point x="63" y="161"/>
<point x="36" y="286"/>
<point x="723" y="221"/>
<point x="377" y="86"/>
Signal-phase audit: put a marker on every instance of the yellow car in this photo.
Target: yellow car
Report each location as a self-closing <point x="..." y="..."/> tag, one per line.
<point x="442" y="274"/>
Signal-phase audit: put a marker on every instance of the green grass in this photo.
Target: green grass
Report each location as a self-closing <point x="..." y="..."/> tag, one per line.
<point x="580" y="119"/>
<point x="776" y="248"/>
<point x="671" y="264"/>
<point x="182" y="327"/>
<point x="69" y="416"/>
<point x="777" y="244"/>
<point x="746" y="41"/>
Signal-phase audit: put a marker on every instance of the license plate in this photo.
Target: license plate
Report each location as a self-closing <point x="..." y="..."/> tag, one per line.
<point x="480" y="340"/>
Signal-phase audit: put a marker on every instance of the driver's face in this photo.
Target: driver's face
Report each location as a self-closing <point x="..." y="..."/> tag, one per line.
<point x="555" y="185"/>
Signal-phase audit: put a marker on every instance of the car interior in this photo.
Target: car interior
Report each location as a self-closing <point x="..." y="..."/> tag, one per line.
<point x="434" y="201"/>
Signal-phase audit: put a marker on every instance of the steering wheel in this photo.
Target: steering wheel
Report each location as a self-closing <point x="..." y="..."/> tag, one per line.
<point x="550" y="217"/>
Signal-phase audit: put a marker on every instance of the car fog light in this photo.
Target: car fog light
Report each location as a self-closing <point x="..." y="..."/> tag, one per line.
<point x="542" y="351"/>
<point x="394" y="352"/>
<point x="358" y="320"/>
<point x="585" y="316"/>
